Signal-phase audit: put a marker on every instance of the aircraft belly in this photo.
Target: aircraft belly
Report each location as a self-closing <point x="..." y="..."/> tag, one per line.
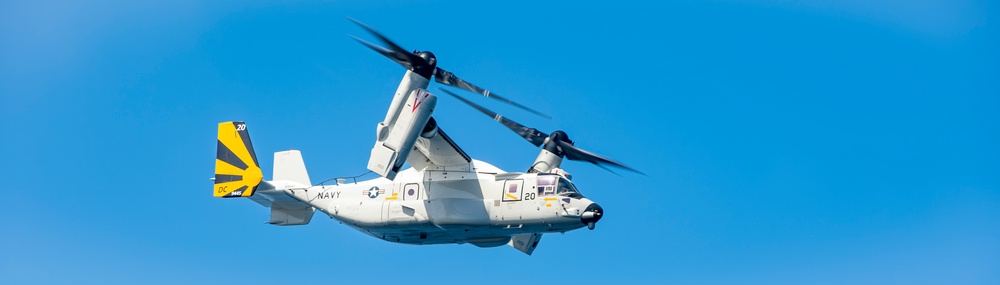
<point x="427" y="233"/>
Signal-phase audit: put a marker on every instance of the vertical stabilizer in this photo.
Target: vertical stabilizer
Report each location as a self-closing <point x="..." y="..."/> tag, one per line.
<point x="288" y="165"/>
<point x="237" y="173"/>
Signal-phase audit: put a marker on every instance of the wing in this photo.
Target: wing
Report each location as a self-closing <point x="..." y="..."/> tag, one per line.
<point x="437" y="151"/>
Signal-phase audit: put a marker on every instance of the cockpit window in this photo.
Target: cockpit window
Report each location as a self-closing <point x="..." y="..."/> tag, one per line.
<point x="550" y="184"/>
<point x="546" y="185"/>
<point x="566" y="188"/>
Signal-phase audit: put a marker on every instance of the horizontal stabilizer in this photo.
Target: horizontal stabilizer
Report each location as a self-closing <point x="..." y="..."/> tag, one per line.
<point x="290" y="217"/>
<point x="286" y="208"/>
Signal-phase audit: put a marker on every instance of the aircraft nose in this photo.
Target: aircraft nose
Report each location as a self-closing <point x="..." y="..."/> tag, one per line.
<point x="591" y="215"/>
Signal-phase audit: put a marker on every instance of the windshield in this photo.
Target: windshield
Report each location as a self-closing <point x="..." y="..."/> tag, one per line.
<point x="566" y="188"/>
<point x="549" y="184"/>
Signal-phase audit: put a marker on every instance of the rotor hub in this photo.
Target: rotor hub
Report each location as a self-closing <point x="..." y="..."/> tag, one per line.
<point x="428" y="57"/>
<point x="552" y="142"/>
<point x="426" y="68"/>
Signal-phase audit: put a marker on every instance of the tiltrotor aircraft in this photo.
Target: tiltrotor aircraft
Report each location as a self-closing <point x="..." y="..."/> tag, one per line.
<point x="445" y="197"/>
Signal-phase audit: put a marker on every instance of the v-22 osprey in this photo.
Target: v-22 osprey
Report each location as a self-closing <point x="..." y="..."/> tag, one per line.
<point x="445" y="197"/>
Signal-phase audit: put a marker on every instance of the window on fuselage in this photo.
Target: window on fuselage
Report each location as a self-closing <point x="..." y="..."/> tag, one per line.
<point x="547" y="185"/>
<point x="566" y="188"/>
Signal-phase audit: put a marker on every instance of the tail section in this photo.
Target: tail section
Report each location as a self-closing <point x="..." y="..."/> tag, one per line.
<point x="288" y="165"/>
<point x="237" y="173"/>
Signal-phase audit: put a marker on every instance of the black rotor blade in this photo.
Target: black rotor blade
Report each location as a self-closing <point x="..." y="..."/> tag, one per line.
<point x="402" y="60"/>
<point x="574" y="153"/>
<point x="447" y="78"/>
<point x="534" y="136"/>
<point x="399" y="53"/>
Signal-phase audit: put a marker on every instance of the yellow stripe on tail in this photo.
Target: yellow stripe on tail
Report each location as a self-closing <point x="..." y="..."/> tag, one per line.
<point x="237" y="173"/>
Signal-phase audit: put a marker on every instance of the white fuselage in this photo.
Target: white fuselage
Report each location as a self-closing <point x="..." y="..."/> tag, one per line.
<point x="483" y="207"/>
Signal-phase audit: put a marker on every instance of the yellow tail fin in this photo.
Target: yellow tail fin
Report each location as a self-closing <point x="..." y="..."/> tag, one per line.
<point x="237" y="173"/>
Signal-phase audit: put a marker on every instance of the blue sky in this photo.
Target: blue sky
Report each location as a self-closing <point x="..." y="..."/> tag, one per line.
<point x="786" y="142"/>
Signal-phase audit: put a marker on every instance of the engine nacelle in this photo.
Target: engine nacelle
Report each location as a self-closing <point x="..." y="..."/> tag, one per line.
<point x="545" y="162"/>
<point x="394" y="142"/>
<point x="430" y="130"/>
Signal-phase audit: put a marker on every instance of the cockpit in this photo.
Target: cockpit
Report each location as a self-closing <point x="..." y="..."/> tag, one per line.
<point x="553" y="184"/>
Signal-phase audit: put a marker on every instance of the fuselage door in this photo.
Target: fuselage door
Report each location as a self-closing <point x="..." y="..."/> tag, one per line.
<point x="510" y="207"/>
<point x="512" y="190"/>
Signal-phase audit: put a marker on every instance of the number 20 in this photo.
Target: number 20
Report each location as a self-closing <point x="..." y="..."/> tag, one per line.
<point x="529" y="196"/>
